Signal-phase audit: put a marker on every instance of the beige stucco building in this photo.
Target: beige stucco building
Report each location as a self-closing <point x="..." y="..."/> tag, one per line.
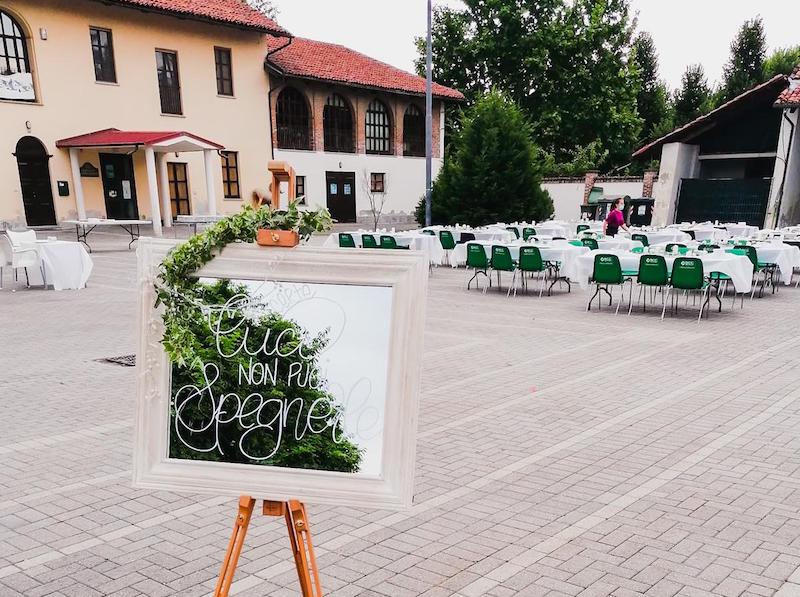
<point x="182" y="83"/>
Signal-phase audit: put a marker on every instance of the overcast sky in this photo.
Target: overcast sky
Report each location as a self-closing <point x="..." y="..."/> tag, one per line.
<point x="685" y="31"/>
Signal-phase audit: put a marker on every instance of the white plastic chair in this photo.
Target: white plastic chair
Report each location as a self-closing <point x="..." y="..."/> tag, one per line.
<point x="20" y="249"/>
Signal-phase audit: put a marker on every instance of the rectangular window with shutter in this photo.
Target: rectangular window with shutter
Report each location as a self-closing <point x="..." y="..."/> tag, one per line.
<point x="230" y="174"/>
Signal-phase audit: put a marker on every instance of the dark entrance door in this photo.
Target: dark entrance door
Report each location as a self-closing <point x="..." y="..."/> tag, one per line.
<point x="119" y="186"/>
<point x="341" y="193"/>
<point x="34" y="179"/>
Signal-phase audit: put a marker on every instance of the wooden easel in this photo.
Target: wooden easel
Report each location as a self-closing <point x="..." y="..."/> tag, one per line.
<point x="299" y="537"/>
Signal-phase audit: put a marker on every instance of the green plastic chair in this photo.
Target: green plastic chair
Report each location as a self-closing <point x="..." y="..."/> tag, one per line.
<point x="759" y="267"/>
<point x="502" y="262"/>
<point x="513" y="229"/>
<point x="642" y="238"/>
<point x="528" y="233"/>
<point x="389" y="242"/>
<point x="368" y="241"/>
<point x="479" y="263"/>
<point x="448" y="243"/>
<point x="576" y="243"/>
<point x="608" y="272"/>
<point x="653" y="274"/>
<point x="346" y="241"/>
<point x="671" y="246"/>
<point x="591" y="243"/>
<point x="637" y="250"/>
<point x="582" y="227"/>
<point x="530" y="260"/>
<point x="687" y="274"/>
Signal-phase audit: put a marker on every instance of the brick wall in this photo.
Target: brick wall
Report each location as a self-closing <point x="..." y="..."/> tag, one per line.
<point x="317" y="93"/>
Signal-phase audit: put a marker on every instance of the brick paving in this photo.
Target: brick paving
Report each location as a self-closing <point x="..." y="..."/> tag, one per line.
<point x="560" y="453"/>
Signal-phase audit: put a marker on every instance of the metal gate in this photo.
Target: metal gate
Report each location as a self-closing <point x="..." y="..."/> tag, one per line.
<point x="743" y="200"/>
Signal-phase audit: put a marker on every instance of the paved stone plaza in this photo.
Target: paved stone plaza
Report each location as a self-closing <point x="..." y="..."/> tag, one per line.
<point x="560" y="453"/>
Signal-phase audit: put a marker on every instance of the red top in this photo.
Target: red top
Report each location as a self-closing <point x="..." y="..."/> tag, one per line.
<point x="615" y="218"/>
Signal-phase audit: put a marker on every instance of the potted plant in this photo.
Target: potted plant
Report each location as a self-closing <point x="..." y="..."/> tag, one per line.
<point x="285" y="228"/>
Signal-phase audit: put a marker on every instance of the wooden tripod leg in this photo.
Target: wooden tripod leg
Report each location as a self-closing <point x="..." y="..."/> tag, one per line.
<point x="246" y="504"/>
<point x="303" y="549"/>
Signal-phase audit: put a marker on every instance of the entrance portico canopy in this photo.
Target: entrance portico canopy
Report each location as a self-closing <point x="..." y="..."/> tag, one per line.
<point x="156" y="145"/>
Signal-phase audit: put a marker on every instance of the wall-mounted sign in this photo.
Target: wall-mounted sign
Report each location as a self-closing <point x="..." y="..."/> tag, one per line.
<point x="63" y="188"/>
<point x="305" y="384"/>
<point x="17" y="86"/>
<point x="89" y="171"/>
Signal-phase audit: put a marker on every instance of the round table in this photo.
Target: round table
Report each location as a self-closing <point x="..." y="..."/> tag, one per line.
<point x="67" y="265"/>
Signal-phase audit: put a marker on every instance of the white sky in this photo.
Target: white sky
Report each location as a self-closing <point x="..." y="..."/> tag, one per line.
<point x="685" y="31"/>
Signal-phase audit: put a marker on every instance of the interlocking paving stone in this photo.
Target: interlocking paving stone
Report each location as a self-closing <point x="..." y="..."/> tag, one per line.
<point x="560" y="453"/>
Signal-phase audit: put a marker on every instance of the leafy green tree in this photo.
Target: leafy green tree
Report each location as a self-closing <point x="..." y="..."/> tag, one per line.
<point x="492" y="173"/>
<point x="652" y="100"/>
<point x="781" y="62"/>
<point x="264" y="6"/>
<point x="694" y="96"/>
<point x="745" y="67"/>
<point x="564" y="62"/>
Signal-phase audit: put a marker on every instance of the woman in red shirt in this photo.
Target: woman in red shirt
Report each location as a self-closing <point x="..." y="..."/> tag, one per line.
<point x="615" y="218"/>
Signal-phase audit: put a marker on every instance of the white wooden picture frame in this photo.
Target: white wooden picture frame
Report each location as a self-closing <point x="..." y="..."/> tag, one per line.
<point x="350" y="272"/>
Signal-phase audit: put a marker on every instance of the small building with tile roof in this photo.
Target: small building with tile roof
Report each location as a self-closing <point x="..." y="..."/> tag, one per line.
<point x="738" y="163"/>
<point x="353" y="127"/>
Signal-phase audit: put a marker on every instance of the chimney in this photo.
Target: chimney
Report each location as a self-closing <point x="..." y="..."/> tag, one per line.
<point x="588" y="184"/>
<point x="648" y="182"/>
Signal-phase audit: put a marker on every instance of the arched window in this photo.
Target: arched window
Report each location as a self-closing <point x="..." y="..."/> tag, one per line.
<point x="378" y="128"/>
<point x="414" y="132"/>
<point x="293" y="122"/>
<point x="16" y="81"/>
<point x="337" y="125"/>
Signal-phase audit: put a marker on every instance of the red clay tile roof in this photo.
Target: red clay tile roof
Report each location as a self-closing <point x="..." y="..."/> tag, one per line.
<point x="228" y="12"/>
<point x="309" y="59"/>
<point x="790" y="98"/>
<point x="118" y="138"/>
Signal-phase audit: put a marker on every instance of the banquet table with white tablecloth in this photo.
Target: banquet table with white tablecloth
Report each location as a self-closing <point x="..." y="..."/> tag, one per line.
<point x="564" y="254"/>
<point x="665" y="235"/>
<point x="738" y="267"/>
<point x="66" y="264"/>
<point x="412" y="239"/>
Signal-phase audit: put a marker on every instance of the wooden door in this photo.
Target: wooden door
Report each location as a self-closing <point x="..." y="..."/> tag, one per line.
<point x="33" y="163"/>
<point x="178" y="189"/>
<point x="341" y="195"/>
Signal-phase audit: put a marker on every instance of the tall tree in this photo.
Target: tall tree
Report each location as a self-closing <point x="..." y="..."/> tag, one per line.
<point x="781" y="62"/>
<point x="493" y="172"/>
<point x="264" y="6"/>
<point x="652" y="100"/>
<point x="564" y="62"/>
<point x="745" y="67"/>
<point x="694" y="96"/>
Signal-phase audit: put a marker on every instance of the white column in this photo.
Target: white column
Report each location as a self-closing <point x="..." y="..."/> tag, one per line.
<point x="163" y="188"/>
<point x="152" y="185"/>
<point x="212" y="165"/>
<point x="77" y="182"/>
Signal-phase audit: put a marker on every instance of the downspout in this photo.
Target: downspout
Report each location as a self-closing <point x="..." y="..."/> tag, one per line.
<point x="269" y="94"/>
<point x="776" y="219"/>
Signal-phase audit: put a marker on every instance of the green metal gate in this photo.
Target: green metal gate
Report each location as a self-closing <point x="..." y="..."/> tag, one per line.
<point x="743" y="200"/>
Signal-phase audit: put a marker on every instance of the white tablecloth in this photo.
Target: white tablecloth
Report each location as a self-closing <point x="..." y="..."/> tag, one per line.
<point x="667" y="235"/>
<point x="738" y="267"/>
<point x="426" y="243"/>
<point x="706" y="233"/>
<point x="786" y="256"/>
<point x="555" y="229"/>
<point x="67" y="265"/>
<point x="565" y="254"/>
<point x="741" y="230"/>
<point x="617" y="242"/>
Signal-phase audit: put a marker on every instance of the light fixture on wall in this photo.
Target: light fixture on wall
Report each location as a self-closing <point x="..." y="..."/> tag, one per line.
<point x="28" y="125"/>
<point x="43" y="33"/>
<point x="340" y="165"/>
